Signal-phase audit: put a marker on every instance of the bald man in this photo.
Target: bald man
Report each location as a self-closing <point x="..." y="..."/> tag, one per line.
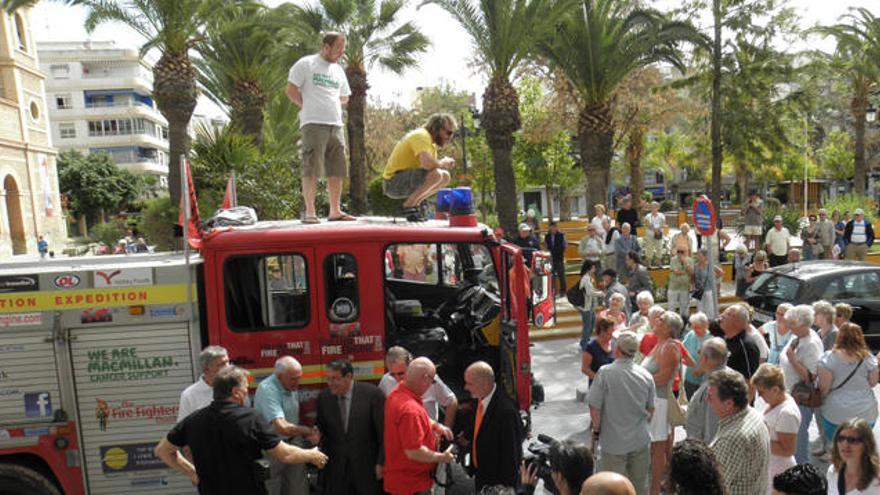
<point x="496" y="433"/>
<point x="410" y="445"/>
<point x="607" y="483"/>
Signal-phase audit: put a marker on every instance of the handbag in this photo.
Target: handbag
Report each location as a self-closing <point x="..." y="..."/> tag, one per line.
<point x="677" y="407"/>
<point x="807" y="394"/>
<point x="697" y="293"/>
<point x="658" y="234"/>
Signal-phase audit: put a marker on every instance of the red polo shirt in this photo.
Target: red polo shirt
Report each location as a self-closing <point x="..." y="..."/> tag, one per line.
<point x="407" y="427"/>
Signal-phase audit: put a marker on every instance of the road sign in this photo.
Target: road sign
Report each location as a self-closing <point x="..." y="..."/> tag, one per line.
<point x="704" y="216"/>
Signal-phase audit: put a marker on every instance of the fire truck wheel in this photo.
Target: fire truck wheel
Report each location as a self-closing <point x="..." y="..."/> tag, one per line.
<point x="21" y="480"/>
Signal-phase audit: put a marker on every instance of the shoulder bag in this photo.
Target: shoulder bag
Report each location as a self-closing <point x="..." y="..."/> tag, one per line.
<point x="807" y="394"/>
<point x="677" y="407"/>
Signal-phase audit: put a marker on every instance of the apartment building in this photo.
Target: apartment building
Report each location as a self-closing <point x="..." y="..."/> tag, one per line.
<point x="100" y="101"/>
<point x="30" y="205"/>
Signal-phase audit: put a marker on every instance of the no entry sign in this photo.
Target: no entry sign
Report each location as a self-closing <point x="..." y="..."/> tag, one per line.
<point x="704" y="216"/>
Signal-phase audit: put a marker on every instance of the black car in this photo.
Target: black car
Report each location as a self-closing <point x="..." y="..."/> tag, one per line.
<point x="852" y="282"/>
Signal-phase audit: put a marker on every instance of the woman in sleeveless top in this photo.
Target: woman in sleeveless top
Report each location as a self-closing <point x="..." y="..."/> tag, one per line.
<point x="663" y="362"/>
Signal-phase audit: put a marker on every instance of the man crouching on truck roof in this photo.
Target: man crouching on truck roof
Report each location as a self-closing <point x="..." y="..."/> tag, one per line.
<point x="414" y="171"/>
<point x="226" y="438"/>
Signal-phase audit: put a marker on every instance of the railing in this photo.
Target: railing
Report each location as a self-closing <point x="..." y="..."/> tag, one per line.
<point x="108" y="104"/>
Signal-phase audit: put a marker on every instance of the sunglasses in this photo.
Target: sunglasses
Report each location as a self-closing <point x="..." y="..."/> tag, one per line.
<point x="449" y="132"/>
<point x="850" y="440"/>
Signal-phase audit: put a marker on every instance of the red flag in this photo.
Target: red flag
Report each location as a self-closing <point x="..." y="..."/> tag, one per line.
<point x="194" y="234"/>
<point x="230" y="199"/>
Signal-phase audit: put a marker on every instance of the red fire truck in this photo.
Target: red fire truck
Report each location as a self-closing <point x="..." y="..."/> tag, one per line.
<point x="95" y="351"/>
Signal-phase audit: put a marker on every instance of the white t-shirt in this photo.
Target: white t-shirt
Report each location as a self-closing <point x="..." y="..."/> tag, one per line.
<point x="654" y="222"/>
<point x="777" y="241"/>
<point x="808" y="352"/>
<point x="194" y="397"/>
<point x="872" y="489"/>
<point x="321" y="84"/>
<point x="784" y="418"/>
<point x="439" y="394"/>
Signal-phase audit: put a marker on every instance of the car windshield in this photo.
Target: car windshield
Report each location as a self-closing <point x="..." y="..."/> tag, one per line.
<point x="775" y="286"/>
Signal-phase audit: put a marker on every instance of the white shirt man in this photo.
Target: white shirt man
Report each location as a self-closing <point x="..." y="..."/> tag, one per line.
<point x="200" y="394"/>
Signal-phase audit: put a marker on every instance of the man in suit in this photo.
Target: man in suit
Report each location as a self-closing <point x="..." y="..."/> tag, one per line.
<point x="350" y="421"/>
<point x="496" y="439"/>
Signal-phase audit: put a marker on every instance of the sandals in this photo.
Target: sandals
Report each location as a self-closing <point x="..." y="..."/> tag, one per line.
<point x="345" y="217"/>
<point x="310" y="220"/>
<point x="413" y="214"/>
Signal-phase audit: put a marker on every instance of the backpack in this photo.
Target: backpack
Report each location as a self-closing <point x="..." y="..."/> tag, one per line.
<point x="575" y="296"/>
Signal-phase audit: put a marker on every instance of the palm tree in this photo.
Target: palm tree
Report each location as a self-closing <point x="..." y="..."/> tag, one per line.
<point x="857" y="60"/>
<point x="172" y="27"/>
<point x="597" y="47"/>
<point x="374" y="36"/>
<point x="11" y="6"/>
<point x="240" y="63"/>
<point x="504" y="34"/>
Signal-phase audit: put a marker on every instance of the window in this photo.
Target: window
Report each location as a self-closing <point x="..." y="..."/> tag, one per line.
<point x="341" y="280"/>
<point x="19" y="32"/>
<point x="412" y="263"/>
<point x="35" y="111"/>
<point x="67" y="130"/>
<point x="59" y="71"/>
<point x="776" y="287"/>
<point x="266" y="292"/>
<point x="855" y="286"/>
<point x="63" y="101"/>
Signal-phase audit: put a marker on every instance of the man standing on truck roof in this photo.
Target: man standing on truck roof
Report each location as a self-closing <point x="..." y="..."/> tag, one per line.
<point x="414" y="171"/>
<point x="410" y="443"/>
<point x="277" y="401"/>
<point x="212" y="359"/>
<point x="226" y="439"/>
<point x="317" y="84"/>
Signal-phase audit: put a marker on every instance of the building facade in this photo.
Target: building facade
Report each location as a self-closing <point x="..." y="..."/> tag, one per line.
<point x="30" y="206"/>
<point x="100" y="101"/>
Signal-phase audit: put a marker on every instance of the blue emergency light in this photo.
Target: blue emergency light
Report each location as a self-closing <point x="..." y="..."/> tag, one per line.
<point x="444" y="196"/>
<point x="462" y="201"/>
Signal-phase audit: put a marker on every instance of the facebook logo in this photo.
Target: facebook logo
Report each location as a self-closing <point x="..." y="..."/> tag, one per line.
<point x="37" y="404"/>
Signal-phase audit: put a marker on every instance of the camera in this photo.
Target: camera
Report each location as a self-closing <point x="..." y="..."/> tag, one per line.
<point x="542" y="454"/>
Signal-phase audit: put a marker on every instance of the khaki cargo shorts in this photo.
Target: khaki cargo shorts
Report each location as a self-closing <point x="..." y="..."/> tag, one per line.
<point x="404" y="183"/>
<point x="323" y="151"/>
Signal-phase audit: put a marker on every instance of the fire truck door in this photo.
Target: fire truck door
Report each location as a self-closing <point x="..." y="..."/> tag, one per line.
<point x="514" y="341"/>
<point x="128" y="381"/>
<point x="350" y="307"/>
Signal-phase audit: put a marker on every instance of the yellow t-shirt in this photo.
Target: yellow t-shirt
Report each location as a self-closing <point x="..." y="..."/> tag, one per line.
<point x="406" y="152"/>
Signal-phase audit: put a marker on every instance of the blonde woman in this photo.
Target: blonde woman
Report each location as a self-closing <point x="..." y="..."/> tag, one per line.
<point x="782" y="417"/>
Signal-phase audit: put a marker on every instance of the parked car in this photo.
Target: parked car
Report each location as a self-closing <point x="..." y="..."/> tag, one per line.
<point x="853" y="282"/>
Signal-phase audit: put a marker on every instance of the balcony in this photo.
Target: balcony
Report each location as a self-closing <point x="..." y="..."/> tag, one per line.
<point x="116" y="104"/>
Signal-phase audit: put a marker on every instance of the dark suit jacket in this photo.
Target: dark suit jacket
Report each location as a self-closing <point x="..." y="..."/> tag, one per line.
<point x="353" y="455"/>
<point x="499" y="444"/>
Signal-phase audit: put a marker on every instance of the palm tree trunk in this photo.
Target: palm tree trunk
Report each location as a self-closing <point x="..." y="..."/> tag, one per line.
<point x="248" y="102"/>
<point x="596" y="136"/>
<point x="550" y="190"/>
<point x="564" y="205"/>
<point x="858" y="106"/>
<point x="742" y="183"/>
<point x="357" y="103"/>
<point x="716" y="108"/>
<point x="635" y="150"/>
<point x="176" y="94"/>
<point x="500" y="120"/>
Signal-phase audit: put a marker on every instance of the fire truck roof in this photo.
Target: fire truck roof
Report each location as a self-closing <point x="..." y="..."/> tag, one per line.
<point x="363" y="229"/>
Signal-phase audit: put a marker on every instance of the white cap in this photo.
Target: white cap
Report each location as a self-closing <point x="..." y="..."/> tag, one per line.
<point x="525" y="226"/>
<point x="859" y="211"/>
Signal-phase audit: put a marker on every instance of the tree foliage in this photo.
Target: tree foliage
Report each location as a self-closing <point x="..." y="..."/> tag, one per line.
<point x="92" y="183"/>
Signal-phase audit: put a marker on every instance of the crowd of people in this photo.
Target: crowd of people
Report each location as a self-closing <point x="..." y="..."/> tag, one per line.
<point x="817" y="367"/>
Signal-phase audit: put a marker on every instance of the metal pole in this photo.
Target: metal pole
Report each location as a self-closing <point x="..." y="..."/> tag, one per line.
<point x="184" y="188"/>
<point x="806" y="162"/>
<point x="464" y="131"/>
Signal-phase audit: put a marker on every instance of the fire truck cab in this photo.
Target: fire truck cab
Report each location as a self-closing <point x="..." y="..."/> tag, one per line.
<point x="94" y="352"/>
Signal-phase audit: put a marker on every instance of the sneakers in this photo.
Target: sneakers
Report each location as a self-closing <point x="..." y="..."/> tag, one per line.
<point x="413" y="214"/>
